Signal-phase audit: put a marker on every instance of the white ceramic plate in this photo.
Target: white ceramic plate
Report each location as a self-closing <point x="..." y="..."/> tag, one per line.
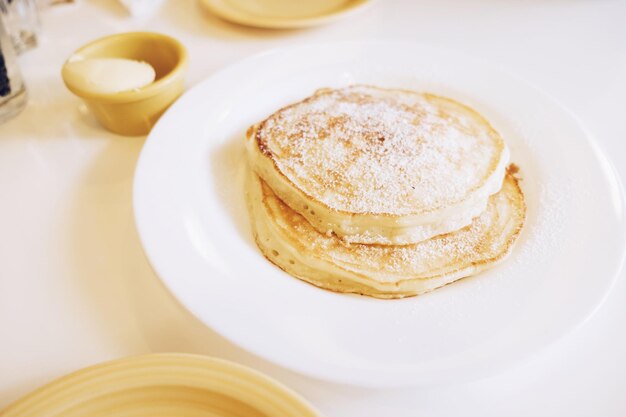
<point x="282" y="14"/>
<point x="191" y="216"/>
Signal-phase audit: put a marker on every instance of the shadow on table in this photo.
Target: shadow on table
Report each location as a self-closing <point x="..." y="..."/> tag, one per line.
<point x="228" y="171"/>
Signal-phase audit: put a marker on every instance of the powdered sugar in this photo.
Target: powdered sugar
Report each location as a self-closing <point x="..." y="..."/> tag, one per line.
<point x="548" y="219"/>
<point x="486" y="239"/>
<point x="367" y="150"/>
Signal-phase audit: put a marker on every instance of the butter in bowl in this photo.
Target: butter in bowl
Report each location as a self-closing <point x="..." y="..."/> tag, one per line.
<point x="128" y="80"/>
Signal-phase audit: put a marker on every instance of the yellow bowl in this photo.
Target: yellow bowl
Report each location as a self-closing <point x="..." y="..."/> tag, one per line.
<point x="160" y="385"/>
<point x="135" y="112"/>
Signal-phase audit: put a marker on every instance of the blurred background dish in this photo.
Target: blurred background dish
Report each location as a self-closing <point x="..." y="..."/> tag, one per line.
<point x="166" y="384"/>
<point x="283" y="14"/>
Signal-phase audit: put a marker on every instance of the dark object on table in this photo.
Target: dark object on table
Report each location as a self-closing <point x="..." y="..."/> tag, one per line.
<point x="5" y="86"/>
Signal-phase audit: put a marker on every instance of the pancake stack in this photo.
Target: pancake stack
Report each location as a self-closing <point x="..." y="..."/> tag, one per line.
<point x="380" y="192"/>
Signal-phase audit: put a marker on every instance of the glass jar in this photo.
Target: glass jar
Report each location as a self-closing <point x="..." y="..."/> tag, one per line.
<point x="21" y="22"/>
<point x="12" y="91"/>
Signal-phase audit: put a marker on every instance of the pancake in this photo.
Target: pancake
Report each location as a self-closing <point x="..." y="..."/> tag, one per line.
<point x="381" y="166"/>
<point x="289" y="241"/>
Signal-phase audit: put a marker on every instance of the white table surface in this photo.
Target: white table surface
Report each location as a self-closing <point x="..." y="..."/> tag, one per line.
<point x="76" y="289"/>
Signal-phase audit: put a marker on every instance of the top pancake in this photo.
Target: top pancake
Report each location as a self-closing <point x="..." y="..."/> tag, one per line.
<point x="382" y="166"/>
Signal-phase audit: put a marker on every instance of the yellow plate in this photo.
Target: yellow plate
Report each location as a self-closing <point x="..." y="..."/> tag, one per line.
<point x="282" y="14"/>
<point x="163" y="385"/>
